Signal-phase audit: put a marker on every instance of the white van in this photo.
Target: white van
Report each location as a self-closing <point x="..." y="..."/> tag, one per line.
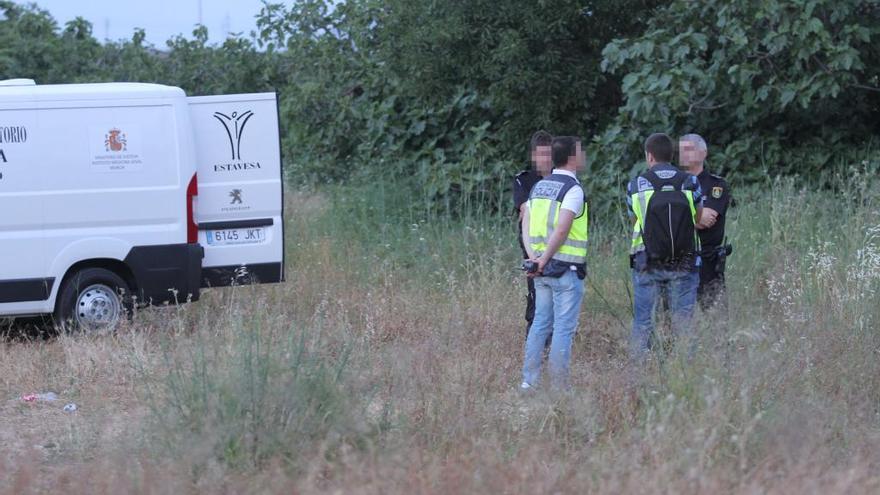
<point x="121" y="194"/>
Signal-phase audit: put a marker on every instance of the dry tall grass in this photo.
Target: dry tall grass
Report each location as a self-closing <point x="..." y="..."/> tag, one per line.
<point x="388" y="363"/>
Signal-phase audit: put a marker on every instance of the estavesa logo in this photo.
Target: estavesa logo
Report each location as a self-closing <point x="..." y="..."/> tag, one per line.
<point x="234" y="125"/>
<point x="115" y="140"/>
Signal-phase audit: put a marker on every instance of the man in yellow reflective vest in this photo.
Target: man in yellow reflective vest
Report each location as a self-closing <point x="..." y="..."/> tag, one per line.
<point x="554" y="229"/>
<point x="667" y="205"/>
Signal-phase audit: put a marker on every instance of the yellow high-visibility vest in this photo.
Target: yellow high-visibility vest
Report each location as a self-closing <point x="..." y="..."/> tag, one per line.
<point x="545" y="202"/>
<point x="640" y="200"/>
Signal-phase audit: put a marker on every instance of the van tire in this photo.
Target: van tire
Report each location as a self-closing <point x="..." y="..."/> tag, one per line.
<point x="92" y="300"/>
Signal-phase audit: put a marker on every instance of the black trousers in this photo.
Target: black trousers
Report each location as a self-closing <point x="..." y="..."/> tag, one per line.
<point x="712" y="292"/>
<point x="530" y="304"/>
<point x="530" y="297"/>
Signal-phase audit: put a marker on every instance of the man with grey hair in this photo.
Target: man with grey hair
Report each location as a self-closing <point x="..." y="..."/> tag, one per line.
<point x="692" y="152"/>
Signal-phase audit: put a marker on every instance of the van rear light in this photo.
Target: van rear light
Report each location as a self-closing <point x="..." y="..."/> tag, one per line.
<point x="192" y="230"/>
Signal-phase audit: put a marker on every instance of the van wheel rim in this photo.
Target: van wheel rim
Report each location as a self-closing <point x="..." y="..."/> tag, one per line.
<point x="97" y="308"/>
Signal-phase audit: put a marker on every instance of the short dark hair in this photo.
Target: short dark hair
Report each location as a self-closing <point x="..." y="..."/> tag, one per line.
<point x="540" y="138"/>
<point x="660" y="145"/>
<point x="564" y="147"/>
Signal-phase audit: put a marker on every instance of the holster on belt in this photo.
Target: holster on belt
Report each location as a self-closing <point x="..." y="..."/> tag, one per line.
<point x="717" y="255"/>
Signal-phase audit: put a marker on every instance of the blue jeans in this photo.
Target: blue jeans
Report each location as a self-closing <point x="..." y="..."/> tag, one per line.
<point x="681" y="291"/>
<point x="557" y="305"/>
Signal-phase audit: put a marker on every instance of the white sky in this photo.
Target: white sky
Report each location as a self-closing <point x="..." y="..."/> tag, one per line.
<point x="162" y="19"/>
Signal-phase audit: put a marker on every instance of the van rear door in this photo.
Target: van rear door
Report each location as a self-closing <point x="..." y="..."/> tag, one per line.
<point x="239" y="206"/>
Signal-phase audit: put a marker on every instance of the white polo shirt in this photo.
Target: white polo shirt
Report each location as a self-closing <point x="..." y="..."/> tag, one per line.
<point x="574" y="198"/>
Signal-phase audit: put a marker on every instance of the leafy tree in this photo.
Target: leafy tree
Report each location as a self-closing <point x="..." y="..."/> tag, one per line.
<point x="31" y="45"/>
<point x="535" y="61"/>
<point x="132" y="60"/>
<point x="236" y="66"/>
<point x="776" y="87"/>
<point x="28" y="41"/>
<point x="443" y="82"/>
<point x="78" y="53"/>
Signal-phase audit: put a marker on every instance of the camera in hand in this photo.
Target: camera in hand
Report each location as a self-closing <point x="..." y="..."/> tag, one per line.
<point x="529" y="266"/>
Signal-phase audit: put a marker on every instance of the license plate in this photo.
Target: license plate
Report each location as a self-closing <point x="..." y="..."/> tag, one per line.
<point x="231" y="237"/>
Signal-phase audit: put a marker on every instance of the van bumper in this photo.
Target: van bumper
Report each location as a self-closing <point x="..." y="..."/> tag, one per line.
<point x="168" y="273"/>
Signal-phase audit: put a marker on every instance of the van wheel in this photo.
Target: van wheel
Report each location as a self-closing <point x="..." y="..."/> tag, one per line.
<point x="93" y="300"/>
